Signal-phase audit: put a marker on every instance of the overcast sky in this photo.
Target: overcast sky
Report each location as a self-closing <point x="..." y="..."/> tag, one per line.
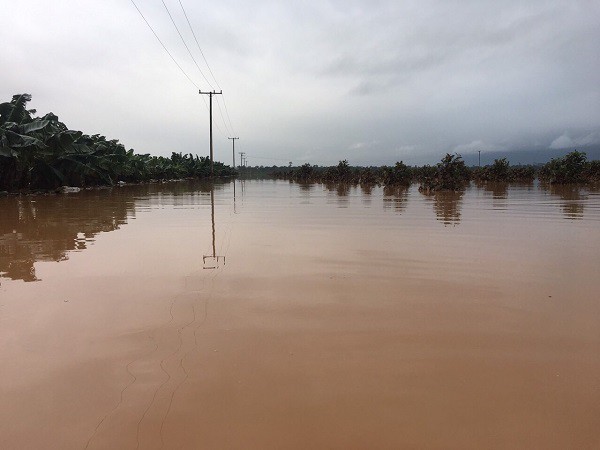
<point x="373" y="81"/>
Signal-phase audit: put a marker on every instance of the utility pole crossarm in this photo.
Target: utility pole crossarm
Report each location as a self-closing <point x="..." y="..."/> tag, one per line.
<point x="210" y="96"/>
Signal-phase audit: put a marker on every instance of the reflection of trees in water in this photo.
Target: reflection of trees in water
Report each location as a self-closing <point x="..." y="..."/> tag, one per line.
<point x="572" y="198"/>
<point x="341" y="191"/>
<point x="305" y="191"/>
<point x="305" y="187"/>
<point x="447" y="206"/>
<point x="366" y="190"/>
<point x="46" y="228"/>
<point x="395" y="197"/>
<point x="498" y="190"/>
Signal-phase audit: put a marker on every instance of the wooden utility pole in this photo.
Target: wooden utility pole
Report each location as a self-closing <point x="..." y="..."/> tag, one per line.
<point x="233" y="142"/>
<point x="210" y="96"/>
<point x="479" y="151"/>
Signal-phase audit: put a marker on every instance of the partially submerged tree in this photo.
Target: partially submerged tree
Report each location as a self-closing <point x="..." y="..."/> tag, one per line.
<point x="451" y="174"/>
<point x="568" y="169"/>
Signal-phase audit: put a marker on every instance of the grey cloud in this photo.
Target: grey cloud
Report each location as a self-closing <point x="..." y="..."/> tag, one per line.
<point x="311" y="79"/>
<point x="565" y="141"/>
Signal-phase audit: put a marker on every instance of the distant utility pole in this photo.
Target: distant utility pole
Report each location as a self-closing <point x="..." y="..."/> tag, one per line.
<point x="210" y="95"/>
<point x="242" y="159"/>
<point x="233" y="142"/>
<point x="479" y="151"/>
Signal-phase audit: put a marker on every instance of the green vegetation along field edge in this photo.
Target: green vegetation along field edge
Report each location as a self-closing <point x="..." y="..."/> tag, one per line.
<point x="41" y="153"/>
<point x="450" y="174"/>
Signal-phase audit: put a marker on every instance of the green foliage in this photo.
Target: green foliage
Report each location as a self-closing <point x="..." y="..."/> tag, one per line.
<point x="568" y="169"/>
<point x="368" y="177"/>
<point x="304" y="173"/>
<point x="423" y="173"/>
<point x="451" y="174"/>
<point x="522" y="173"/>
<point x="591" y="173"/>
<point x="399" y="175"/>
<point x="501" y="171"/>
<point x="343" y="171"/>
<point x="42" y="153"/>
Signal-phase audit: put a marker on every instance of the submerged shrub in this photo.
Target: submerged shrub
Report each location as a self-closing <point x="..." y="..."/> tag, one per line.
<point x="368" y="177"/>
<point x="522" y="173"/>
<point x="591" y="173"/>
<point x="303" y="173"/>
<point x="568" y="169"/>
<point x="451" y="174"/>
<point x="501" y="171"/>
<point x="399" y="175"/>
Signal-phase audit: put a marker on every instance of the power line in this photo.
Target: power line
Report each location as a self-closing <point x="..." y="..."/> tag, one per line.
<point x="184" y="43"/>
<point x="163" y="45"/>
<point x="201" y="52"/>
<point x="227" y="113"/>
<point x="207" y="65"/>
<point x="175" y="61"/>
<point x="223" y="118"/>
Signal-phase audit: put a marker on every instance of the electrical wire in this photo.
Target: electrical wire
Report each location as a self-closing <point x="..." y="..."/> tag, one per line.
<point x="222" y="118"/>
<point x="163" y="46"/>
<point x="201" y="52"/>
<point x="184" y="43"/>
<point x="175" y="61"/>
<point x="207" y="65"/>
<point x="227" y="113"/>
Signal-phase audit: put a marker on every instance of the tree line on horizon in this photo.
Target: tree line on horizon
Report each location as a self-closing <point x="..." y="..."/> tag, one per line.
<point x="451" y="173"/>
<point x="42" y="153"/>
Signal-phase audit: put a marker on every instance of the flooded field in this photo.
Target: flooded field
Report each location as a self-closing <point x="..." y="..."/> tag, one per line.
<point x="269" y="315"/>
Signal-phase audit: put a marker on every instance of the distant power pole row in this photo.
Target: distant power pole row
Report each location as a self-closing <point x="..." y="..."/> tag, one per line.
<point x="243" y="159"/>
<point x="233" y="151"/>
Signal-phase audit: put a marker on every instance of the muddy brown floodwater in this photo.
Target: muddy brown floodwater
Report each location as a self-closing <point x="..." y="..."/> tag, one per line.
<point x="178" y="316"/>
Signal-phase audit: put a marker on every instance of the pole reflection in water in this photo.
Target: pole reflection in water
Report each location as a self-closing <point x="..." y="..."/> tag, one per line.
<point x="213" y="261"/>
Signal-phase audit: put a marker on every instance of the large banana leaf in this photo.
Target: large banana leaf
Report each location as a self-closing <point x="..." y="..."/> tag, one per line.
<point x="16" y="140"/>
<point x="35" y="125"/>
<point x="16" y="109"/>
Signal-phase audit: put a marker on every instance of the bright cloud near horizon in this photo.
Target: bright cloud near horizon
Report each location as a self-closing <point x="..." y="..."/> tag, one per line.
<point x="371" y="81"/>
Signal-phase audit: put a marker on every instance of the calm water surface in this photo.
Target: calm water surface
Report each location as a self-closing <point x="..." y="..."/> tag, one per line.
<point x="264" y="314"/>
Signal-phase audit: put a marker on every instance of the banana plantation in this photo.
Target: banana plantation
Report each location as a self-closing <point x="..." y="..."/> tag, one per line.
<point x="451" y="173"/>
<point x="41" y="153"/>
